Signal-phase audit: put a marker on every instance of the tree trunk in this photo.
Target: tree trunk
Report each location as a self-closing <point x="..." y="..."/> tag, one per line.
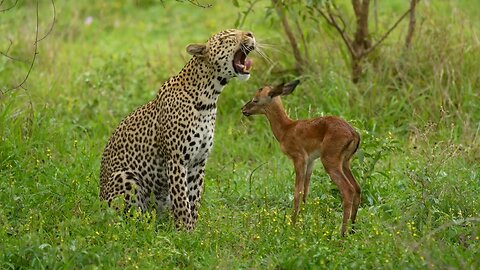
<point x="411" y="24"/>
<point x="361" y="42"/>
<point x="300" y="62"/>
<point x="357" y="69"/>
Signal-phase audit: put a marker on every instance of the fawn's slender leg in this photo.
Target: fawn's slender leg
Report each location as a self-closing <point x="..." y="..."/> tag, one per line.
<point x="357" y="190"/>
<point x="308" y="175"/>
<point x="333" y="166"/>
<point x="300" y="167"/>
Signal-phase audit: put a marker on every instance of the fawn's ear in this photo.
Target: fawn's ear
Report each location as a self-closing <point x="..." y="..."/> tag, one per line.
<point x="284" y="89"/>
<point x="197" y="49"/>
<point x="276" y="90"/>
<point x="289" y="87"/>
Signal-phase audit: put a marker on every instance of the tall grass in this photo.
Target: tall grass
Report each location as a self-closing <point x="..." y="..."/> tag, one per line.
<point x="417" y="111"/>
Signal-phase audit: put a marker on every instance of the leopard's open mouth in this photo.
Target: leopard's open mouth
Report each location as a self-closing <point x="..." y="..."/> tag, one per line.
<point x="241" y="64"/>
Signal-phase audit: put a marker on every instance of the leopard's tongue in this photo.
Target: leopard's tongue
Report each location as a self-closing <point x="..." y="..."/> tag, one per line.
<point x="248" y="65"/>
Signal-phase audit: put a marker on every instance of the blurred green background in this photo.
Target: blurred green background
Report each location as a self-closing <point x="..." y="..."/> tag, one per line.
<point x="417" y="109"/>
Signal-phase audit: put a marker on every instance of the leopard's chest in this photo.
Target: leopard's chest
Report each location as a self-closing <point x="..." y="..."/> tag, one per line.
<point x="202" y="138"/>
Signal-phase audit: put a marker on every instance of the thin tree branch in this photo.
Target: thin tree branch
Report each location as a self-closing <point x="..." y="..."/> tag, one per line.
<point x="9" y="45"/>
<point x="37" y="40"/>
<point x="250" y="178"/>
<point x="10" y="7"/>
<point x="196" y="3"/>
<point x="13" y="58"/>
<point x="330" y="20"/>
<point x="8" y="49"/>
<point x="34" y="55"/>
<point x="53" y="22"/>
<point x="341" y="20"/>
<point x="33" y="58"/>
<point x="373" y="47"/>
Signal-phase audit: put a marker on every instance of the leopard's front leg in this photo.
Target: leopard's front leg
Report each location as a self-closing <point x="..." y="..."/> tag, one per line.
<point x="178" y="190"/>
<point x="196" y="175"/>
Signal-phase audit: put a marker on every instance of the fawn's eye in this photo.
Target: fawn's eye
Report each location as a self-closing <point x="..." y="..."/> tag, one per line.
<point x="255" y="101"/>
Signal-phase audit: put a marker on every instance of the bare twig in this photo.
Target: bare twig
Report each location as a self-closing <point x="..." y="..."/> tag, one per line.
<point x="13" y="58"/>
<point x="8" y="49"/>
<point x="359" y="44"/>
<point x="196" y="3"/>
<point x="344" y="25"/>
<point x="331" y="20"/>
<point x="37" y="40"/>
<point x="250" y="177"/>
<point x="9" y="45"/>
<point x="53" y="22"/>
<point x="10" y="7"/>
<point x="388" y="32"/>
<point x="34" y="55"/>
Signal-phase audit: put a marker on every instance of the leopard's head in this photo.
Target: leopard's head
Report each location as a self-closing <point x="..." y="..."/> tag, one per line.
<point x="226" y="53"/>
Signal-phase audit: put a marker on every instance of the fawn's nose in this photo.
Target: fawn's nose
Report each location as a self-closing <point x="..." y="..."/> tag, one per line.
<point x="245" y="111"/>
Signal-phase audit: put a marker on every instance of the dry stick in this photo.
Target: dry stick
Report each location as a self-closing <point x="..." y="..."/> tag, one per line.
<point x="331" y="20"/>
<point x="250" y="178"/>
<point x="37" y="40"/>
<point x="53" y="22"/>
<point x="8" y="49"/>
<point x="196" y="3"/>
<point x="388" y="32"/>
<point x="10" y="7"/>
<point x="33" y="59"/>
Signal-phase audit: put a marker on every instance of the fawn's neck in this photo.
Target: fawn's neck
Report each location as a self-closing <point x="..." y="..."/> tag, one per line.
<point x="278" y="118"/>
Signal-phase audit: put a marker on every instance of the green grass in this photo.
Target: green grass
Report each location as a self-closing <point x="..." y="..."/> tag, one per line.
<point x="417" y="111"/>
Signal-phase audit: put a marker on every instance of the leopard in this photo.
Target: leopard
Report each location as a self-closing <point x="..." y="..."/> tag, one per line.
<point x="156" y="157"/>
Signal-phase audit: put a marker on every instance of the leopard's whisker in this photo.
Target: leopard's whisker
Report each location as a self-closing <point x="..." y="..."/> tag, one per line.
<point x="260" y="52"/>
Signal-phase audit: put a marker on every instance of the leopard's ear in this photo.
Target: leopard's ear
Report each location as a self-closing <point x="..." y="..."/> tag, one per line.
<point x="197" y="49"/>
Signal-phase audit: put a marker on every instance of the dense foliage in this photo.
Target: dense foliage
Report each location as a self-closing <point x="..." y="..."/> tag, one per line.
<point x="417" y="111"/>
